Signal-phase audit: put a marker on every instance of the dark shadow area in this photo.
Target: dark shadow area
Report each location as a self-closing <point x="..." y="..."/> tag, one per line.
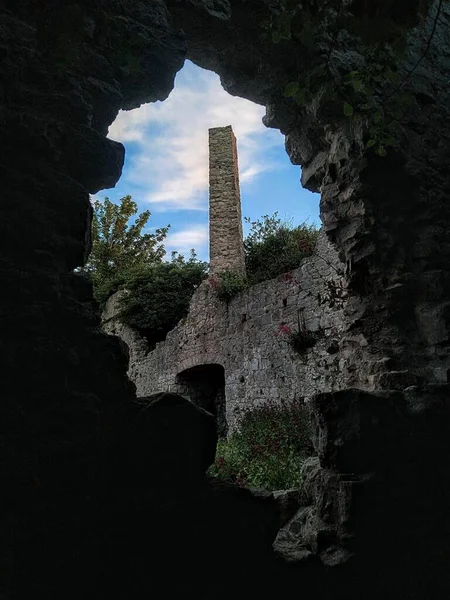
<point x="204" y="385"/>
<point x="105" y="500"/>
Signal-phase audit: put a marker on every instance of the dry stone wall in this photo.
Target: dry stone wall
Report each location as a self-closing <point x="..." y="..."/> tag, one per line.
<point x="246" y="337"/>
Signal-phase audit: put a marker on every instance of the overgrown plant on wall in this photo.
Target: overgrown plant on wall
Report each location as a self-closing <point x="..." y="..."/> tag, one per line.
<point x="274" y="246"/>
<point x="228" y="284"/>
<point x="299" y="338"/>
<point x="124" y="257"/>
<point x="269" y="448"/>
<point x="159" y="295"/>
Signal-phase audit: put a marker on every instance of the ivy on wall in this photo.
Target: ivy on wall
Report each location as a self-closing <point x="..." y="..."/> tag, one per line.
<point x="365" y="78"/>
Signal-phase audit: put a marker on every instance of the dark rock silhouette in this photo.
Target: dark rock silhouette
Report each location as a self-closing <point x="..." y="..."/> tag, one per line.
<point x="378" y="524"/>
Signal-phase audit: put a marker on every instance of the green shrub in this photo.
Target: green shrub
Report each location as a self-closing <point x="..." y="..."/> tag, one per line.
<point x="160" y="295"/>
<point x="228" y="285"/>
<point x="273" y="247"/>
<point x="269" y="449"/>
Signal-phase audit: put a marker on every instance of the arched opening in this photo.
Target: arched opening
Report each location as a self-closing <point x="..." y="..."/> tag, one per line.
<point x="204" y="385"/>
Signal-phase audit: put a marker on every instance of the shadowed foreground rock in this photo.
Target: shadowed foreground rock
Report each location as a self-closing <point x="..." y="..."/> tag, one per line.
<point x="168" y="529"/>
<point x="143" y="531"/>
<point x="156" y="526"/>
<point x="371" y="499"/>
<point x="168" y="442"/>
<point x="379" y="518"/>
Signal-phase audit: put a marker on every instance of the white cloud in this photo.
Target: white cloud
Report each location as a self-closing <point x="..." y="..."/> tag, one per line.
<point x="170" y="140"/>
<point x="183" y="241"/>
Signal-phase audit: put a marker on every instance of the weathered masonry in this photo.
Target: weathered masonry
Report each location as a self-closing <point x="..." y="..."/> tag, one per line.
<point x="229" y="357"/>
<point x="245" y="338"/>
<point x="226" y="251"/>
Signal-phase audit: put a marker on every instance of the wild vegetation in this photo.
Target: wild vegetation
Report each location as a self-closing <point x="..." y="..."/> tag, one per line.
<point x="299" y="338"/>
<point x="369" y="84"/>
<point x="272" y="247"/>
<point x="228" y="285"/>
<point x="125" y="256"/>
<point x="269" y="448"/>
<point x="120" y="247"/>
<point x="160" y="294"/>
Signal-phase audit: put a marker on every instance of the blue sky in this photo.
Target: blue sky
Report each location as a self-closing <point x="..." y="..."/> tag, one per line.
<point x="166" y="164"/>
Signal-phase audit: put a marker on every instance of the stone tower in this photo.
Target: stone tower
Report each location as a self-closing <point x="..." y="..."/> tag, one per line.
<point x="226" y="247"/>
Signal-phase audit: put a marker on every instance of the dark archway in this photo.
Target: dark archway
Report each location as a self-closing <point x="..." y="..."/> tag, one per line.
<point x="204" y="385"/>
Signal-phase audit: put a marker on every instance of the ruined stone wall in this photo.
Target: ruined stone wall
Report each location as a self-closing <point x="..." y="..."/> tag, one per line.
<point x="135" y="345"/>
<point x="225" y="218"/>
<point x="383" y="214"/>
<point x="380" y="497"/>
<point x="244" y="337"/>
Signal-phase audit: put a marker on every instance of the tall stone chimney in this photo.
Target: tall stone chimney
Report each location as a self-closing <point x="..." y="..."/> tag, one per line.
<point x="226" y="245"/>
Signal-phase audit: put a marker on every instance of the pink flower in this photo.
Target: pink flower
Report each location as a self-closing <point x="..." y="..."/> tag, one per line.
<point x="214" y="282"/>
<point x="284" y="328"/>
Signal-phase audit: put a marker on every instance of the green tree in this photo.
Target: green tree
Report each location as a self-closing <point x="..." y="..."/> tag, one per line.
<point x="159" y="295"/>
<point x="119" y="245"/>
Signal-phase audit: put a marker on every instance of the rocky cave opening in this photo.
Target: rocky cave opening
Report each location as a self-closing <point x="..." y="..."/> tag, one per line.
<point x="165" y="167"/>
<point x="373" y="520"/>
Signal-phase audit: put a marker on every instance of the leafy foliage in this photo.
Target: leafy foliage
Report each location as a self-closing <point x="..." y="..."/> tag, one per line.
<point x="119" y="247"/>
<point x="123" y="257"/>
<point x="160" y="294"/>
<point x="387" y="21"/>
<point x="268" y="450"/>
<point x="366" y="103"/>
<point x="228" y="285"/>
<point x="273" y="247"/>
<point x="370" y="90"/>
